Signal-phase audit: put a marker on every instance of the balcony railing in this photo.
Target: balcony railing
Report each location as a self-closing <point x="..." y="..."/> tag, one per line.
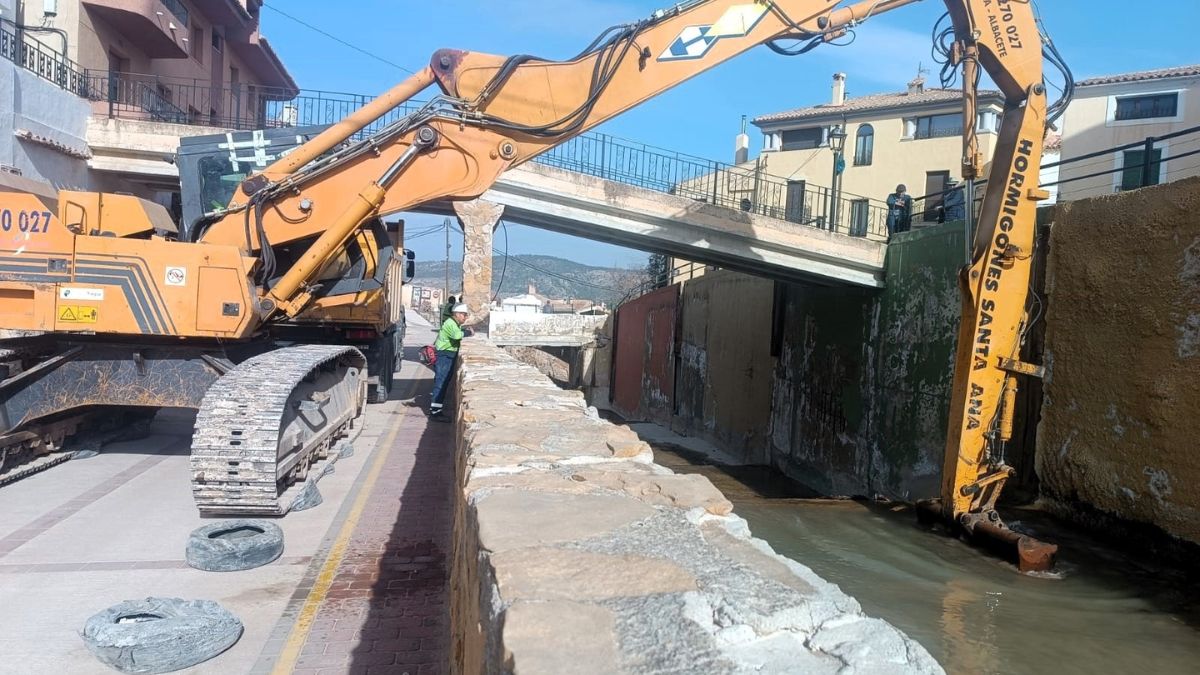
<point x="242" y="107"/>
<point x="41" y="61"/>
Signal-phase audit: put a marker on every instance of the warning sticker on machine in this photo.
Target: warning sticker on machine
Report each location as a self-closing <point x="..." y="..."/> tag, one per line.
<point x="77" y="293"/>
<point x="78" y="314"/>
<point x="176" y="276"/>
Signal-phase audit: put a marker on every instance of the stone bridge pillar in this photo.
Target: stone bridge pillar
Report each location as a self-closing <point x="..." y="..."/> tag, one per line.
<point x="479" y="219"/>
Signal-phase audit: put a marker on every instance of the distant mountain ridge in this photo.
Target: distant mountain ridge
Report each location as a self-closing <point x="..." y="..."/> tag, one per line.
<point x="555" y="278"/>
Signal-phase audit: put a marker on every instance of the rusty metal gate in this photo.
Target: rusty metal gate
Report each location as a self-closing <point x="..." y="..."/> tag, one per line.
<point x="644" y="355"/>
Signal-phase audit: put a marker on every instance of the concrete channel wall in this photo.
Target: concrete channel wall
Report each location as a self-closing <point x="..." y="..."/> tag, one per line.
<point x="843" y="389"/>
<point x="862" y="380"/>
<point x="574" y="552"/>
<point x="1122" y="391"/>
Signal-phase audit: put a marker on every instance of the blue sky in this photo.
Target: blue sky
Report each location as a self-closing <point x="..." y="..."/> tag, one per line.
<point x="701" y="116"/>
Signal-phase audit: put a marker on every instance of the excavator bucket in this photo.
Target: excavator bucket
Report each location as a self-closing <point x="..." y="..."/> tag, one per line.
<point x="1026" y="552"/>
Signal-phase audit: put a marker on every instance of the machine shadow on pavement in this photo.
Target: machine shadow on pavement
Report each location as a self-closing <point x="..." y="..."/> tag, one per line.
<point x="407" y="617"/>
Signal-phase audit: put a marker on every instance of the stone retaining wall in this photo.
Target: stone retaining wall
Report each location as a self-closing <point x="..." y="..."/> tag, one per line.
<point x="574" y="552"/>
<point x="1119" y="423"/>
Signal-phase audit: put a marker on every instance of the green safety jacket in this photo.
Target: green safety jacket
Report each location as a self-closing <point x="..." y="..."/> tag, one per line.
<point x="449" y="336"/>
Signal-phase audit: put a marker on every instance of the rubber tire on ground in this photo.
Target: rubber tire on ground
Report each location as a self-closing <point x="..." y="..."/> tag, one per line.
<point x="184" y="634"/>
<point x="212" y="553"/>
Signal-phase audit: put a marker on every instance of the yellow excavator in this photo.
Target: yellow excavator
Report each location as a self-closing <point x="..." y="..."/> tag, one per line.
<point x="249" y="313"/>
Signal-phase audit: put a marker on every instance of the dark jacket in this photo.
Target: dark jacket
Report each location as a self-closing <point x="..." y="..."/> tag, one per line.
<point x="899" y="217"/>
<point x="953" y="205"/>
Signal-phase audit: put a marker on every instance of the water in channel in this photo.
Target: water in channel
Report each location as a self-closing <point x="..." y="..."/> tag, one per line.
<point x="1100" y="612"/>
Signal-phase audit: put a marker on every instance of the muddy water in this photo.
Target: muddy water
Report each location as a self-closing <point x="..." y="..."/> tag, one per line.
<point x="1099" y="613"/>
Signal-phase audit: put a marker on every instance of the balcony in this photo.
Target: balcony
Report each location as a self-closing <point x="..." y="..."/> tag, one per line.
<point x="229" y="13"/>
<point x="154" y="26"/>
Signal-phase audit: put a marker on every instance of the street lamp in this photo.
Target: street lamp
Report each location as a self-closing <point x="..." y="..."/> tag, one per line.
<point x="837" y="143"/>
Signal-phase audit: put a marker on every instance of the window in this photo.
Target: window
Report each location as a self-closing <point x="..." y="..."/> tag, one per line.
<point x="938" y="126"/>
<point x="794" y="209"/>
<point x="864" y="145"/>
<point x="198" y="43"/>
<point x="802" y="139"/>
<point x="117" y="63"/>
<point x="1147" y="107"/>
<point x="1132" y="167"/>
<point x="219" y="179"/>
<point x="218" y="43"/>
<point x="178" y="9"/>
<point x="860" y="210"/>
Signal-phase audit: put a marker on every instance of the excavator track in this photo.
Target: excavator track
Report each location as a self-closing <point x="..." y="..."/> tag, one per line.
<point x="31" y="467"/>
<point x="263" y="426"/>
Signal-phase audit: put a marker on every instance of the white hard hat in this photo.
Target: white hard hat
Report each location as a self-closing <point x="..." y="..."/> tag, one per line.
<point x="460" y="307"/>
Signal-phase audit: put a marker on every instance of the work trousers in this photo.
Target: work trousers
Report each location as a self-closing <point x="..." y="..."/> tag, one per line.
<point x="441" y="376"/>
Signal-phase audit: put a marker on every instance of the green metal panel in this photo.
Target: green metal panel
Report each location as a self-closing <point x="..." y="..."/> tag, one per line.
<point x="861" y="392"/>
<point x="919" y="312"/>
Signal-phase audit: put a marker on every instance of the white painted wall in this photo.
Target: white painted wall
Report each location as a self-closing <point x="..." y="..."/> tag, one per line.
<point x="1088" y="126"/>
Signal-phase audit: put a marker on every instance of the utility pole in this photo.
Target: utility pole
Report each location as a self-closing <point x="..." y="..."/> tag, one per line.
<point x="446" y="288"/>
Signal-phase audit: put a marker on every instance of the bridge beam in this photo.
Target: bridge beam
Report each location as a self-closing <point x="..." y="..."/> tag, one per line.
<point x="624" y="215"/>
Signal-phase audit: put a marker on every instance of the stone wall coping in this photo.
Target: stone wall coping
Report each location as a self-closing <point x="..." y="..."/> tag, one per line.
<point x="575" y="552"/>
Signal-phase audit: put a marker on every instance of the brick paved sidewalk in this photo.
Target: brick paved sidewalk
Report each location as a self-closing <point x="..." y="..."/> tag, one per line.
<point x="378" y="601"/>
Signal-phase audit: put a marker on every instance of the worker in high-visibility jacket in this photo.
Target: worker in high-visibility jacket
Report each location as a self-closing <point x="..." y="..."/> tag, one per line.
<point x="449" y="339"/>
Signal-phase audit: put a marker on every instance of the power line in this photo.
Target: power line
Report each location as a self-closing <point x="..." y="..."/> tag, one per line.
<point x="553" y="274"/>
<point x="337" y="39"/>
<point x="504" y="267"/>
<point x="1194" y="167"/>
<point x="424" y="233"/>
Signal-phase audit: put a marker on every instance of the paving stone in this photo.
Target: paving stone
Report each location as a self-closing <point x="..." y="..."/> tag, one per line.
<point x="516" y="518"/>
<point x="561" y="637"/>
<point x="563" y="574"/>
<point x="682" y="491"/>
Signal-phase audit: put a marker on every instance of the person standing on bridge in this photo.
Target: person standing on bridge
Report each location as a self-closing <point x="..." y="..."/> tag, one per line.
<point x="899" y="214"/>
<point x="449" y="338"/>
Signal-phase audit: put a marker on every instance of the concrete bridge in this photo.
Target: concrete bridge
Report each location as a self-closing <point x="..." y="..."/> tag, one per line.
<point x="636" y="217"/>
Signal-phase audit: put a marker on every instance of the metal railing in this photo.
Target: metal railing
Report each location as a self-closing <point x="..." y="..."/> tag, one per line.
<point x="160" y="98"/>
<point x="41" y="61"/>
<point x="931" y="208"/>
<point x="746" y="189"/>
<point x="934" y="208"/>
<point x="240" y="107"/>
<point x="244" y="107"/>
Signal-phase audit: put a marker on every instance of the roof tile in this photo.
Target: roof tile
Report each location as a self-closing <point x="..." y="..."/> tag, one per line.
<point x="1138" y="76"/>
<point x="872" y="102"/>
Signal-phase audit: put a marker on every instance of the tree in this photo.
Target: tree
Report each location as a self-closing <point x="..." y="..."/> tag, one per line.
<point x="658" y="270"/>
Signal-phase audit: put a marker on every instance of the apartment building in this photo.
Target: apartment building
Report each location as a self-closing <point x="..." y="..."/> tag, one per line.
<point x="1106" y="127"/>
<point x="911" y="137"/>
<point x="178" y="61"/>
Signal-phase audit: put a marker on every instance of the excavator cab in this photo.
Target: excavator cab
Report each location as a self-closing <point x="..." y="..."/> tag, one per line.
<point x="212" y="167"/>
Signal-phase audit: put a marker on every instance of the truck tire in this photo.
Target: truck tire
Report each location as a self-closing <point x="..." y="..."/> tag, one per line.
<point x="160" y="635"/>
<point x="234" y="545"/>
